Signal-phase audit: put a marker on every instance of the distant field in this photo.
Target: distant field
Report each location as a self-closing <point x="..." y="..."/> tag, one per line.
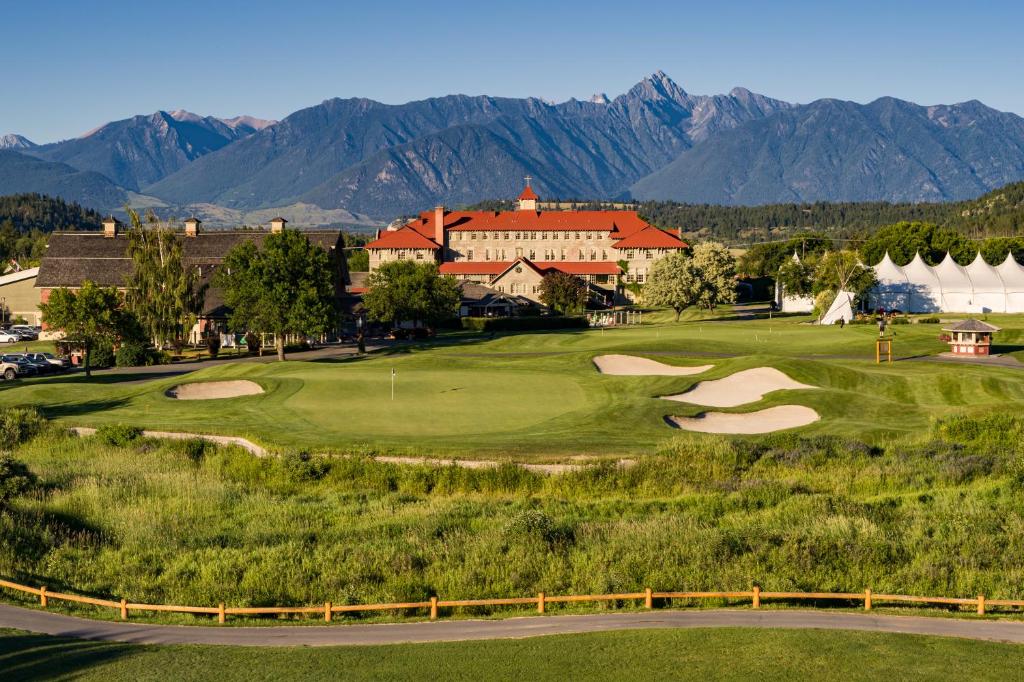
<point x="538" y="396"/>
<point x="726" y="654"/>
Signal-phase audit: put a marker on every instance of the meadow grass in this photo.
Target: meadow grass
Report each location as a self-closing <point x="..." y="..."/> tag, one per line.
<point x="188" y="523"/>
<point x="720" y="654"/>
<point x="538" y="396"/>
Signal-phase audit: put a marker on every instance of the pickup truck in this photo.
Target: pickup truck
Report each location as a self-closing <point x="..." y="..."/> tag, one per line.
<point x="8" y="370"/>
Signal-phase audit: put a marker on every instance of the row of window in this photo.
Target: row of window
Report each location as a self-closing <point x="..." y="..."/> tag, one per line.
<point x="548" y="254"/>
<point x="460" y="235"/>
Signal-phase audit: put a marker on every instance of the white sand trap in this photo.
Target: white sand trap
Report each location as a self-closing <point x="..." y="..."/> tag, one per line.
<point x="763" y="421"/>
<point x="630" y="365"/>
<point x="747" y="386"/>
<point x="213" y="390"/>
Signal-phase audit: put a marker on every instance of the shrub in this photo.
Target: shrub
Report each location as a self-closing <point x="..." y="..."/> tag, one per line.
<point x="531" y="523"/>
<point x="15" y="478"/>
<point x="301" y="467"/>
<point x="133" y="354"/>
<point x="509" y="324"/>
<point x="928" y="320"/>
<point x="102" y="357"/>
<point x="118" y="435"/>
<point x="213" y="345"/>
<point x="192" y="448"/>
<point x="18" y="424"/>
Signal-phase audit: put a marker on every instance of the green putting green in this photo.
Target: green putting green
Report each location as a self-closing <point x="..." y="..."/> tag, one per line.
<point x="540" y="396"/>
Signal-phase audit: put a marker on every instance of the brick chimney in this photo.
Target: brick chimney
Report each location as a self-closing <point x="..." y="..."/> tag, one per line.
<point x="439" y="225"/>
<point x="110" y="227"/>
<point x="192" y="227"/>
<point x="277" y="225"/>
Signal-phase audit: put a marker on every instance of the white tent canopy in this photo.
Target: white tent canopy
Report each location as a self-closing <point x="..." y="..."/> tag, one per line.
<point x="841" y="309"/>
<point x="949" y="287"/>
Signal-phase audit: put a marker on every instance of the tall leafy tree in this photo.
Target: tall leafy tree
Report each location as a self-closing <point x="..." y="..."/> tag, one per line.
<point x="674" y="282"/>
<point x="843" y="271"/>
<point x="797" y="276"/>
<point x="716" y="269"/>
<point x="162" y="291"/>
<point x="406" y="290"/>
<point x="563" y="292"/>
<point x="905" y="239"/>
<point x="284" y="287"/>
<point x="89" y="317"/>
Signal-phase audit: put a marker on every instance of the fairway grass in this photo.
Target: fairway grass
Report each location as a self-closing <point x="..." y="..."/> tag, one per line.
<point x="540" y="397"/>
<point x="704" y="654"/>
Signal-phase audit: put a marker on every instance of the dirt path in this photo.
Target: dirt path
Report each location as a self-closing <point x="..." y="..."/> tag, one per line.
<point x="530" y="626"/>
<point x="260" y="451"/>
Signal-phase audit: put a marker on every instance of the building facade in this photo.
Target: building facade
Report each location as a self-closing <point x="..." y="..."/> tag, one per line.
<point x="511" y="251"/>
<point x="72" y="258"/>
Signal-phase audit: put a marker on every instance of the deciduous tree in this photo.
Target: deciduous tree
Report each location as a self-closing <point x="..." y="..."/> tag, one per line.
<point x="563" y="292"/>
<point x="89" y="317"/>
<point x="716" y="270"/>
<point x="406" y="290"/>
<point x="674" y="282"/>
<point x="284" y="287"/>
<point x="162" y="291"/>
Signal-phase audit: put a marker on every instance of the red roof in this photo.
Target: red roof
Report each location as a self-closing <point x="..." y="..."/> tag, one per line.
<point x="402" y="239"/>
<point x="650" y="238"/>
<point x="528" y="193"/>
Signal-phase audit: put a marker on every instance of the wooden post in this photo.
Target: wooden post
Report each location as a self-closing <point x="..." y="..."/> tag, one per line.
<point x="433" y="608"/>
<point x="327" y="612"/>
<point x="757" y="596"/>
<point x="42" y="597"/>
<point x="648" y="599"/>
<point x="124" y="609"/>
<point x="867" y="599"/>
<point x="220" y="613"/>
<point x="981" y="605"/>
<point x="540" y="602"/>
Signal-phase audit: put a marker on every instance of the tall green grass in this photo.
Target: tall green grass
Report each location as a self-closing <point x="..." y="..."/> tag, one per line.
<point x="185" y="522"/>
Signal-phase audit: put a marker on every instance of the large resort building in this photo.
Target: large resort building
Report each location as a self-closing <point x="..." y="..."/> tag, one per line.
<point x="512" y="251"/>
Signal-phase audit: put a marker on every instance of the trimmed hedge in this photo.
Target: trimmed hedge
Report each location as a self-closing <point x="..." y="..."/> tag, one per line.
<point x="523" y="324"/>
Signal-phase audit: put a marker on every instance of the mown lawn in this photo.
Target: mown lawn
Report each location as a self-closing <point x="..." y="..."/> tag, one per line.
<point x="721" y="654"/>
<point x="538" y="396"/>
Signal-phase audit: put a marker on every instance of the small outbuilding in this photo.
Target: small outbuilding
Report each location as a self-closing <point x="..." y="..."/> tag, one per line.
<point x="971" y="337"/>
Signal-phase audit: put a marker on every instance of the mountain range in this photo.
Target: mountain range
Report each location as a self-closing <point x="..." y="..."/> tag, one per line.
<point x="372" y="161"/>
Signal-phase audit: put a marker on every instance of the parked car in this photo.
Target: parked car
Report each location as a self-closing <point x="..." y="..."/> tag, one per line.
<point x="42" y="366"/>
<point x="25" y="367"/>
<point x="51" y="359"/>
<point x="8" y="370"/>
<point x="26" y="332"/>
<point x="9" y="337"/>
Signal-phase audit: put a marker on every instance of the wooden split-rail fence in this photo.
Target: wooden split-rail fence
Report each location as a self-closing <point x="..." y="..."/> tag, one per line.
<point x="433" y="607"/>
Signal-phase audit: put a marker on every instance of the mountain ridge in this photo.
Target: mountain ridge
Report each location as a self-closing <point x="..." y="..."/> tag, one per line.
<point x="654" y="141"/>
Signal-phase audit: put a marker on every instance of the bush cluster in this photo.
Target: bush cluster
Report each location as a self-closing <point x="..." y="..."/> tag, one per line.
<point x="508" y="324"/>
<point x="118" y="435"/>
<point x="18" y="424"/>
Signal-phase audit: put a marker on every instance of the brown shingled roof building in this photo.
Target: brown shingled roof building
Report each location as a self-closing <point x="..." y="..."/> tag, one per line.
<point x="72" y="258"/>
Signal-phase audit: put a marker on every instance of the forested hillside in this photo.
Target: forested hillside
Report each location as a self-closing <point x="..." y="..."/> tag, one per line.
<point x="27" y="219"/>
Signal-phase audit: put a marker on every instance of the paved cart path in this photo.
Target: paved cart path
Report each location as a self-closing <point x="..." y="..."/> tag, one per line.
<point x="508" y="628"/>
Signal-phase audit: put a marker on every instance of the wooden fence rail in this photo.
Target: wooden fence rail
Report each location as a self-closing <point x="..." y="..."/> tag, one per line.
<point x="755" y="596"/>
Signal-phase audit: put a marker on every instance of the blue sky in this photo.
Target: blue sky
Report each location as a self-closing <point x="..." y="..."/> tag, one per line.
<point x="69" y="66"/>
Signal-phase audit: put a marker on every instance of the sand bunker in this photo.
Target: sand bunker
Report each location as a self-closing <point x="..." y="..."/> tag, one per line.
<point x="763" y="421"/>
<point x="213" y="390"/>
<point x="630" y="365"/>
<point x="747" y="386"/>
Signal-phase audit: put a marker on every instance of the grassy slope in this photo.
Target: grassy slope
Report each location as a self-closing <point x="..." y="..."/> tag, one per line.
<point x="726" y="654"/>
<point x="538" y="395"/>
